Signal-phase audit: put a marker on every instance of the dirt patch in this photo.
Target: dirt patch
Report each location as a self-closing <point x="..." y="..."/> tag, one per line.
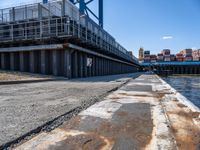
<point x="115" y="97"/>
<point x="131" y="127"/>
<point x="73" y="123"/>
<point x="18" y="76"/>
<point x="175" y="100"/>
<point x="122" y="114"/>
<point x="189" y="139"/>
<point x="189" y="115"/>
<point x="90" y="141"/>
<point x="137" y="95"/>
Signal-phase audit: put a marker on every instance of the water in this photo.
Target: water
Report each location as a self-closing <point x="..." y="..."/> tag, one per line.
<point x="188" y="86"/>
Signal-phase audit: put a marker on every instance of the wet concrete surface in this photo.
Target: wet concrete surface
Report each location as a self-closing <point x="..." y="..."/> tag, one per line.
<point x="187" y="85"/>
<point x="25" y="107"/>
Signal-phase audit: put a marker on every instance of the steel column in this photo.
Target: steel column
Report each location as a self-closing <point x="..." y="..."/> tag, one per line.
<point x="44" y="62"/>
<point x="14" y="61"/>
<point x="21" y="61"/>
<point x="82" y="6"/>
<point x="55" y="66"/>
<point x="101" y="13"/>
<point x="32" y="62"/>
<point x="67" y="64"/>
<point x="85" y="65"/>
<point x="93" y="66"/>
<point x="75" y="64"/>
<point x="3" y="62"/>
<point x="81" y="64"/>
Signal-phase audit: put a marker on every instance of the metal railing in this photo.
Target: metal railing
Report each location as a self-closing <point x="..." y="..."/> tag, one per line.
<point x="38" y="21"/>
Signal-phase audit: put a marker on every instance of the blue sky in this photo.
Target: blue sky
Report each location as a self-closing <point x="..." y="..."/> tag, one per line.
<point x="152" y="24"/>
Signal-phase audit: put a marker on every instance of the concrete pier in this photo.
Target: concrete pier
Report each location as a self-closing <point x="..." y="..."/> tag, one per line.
<point x="68" y="62"/>
<point x="14" y="61"/>
<point x="144" y="114"/>
<point x="190" y="68"/>
<point x="44" y="62"/>
<point x="5" y="61"/>
<point x="24" y="61"/>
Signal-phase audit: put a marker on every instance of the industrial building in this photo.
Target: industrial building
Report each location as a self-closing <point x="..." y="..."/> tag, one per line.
<point x="59" y="38"/>
<point x="141" y="55"/>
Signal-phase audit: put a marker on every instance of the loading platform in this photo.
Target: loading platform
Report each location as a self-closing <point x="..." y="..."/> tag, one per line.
<point x="173" y="67"/>
<point x="34" y="34"/>
<point x="144" y="114"/>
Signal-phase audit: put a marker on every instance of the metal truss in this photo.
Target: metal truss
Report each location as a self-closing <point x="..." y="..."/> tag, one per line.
<point x="84" y="9"/>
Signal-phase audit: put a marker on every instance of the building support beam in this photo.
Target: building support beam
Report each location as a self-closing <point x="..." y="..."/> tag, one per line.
<point x="85" y="65"/>
<point x="55" y="64"/>
<point x="3" y="62"/>
<point x="81" y="64"/>
<point x="44" y="62"/>
<point x="33" y="65"/>
<point x="67" y="64"/>
<point x="75" y="64"/>
<point x="14" y="61"/>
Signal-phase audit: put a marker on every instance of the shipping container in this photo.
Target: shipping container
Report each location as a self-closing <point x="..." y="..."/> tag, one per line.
<point x="196" y="59"/>
<point x="167" y="58"/>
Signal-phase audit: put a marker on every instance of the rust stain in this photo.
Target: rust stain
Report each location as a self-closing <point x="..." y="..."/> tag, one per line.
<point x="189" y="115"/>
<point x="138" y="95"/>
<point x="138" y="130"/>
<point x="187" y="134"/>
<point x="122" y="113"/>
<point x="89" y="141"/>
<point x="72" y="124"/>
<point x="105" y="134"/>
<point x="187" y="138"/>
<point x="115" y="97"/>
<point x="160" y="95"/>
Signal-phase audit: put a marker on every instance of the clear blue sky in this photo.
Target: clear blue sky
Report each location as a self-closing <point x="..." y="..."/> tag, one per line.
<point x="152" y="24"/>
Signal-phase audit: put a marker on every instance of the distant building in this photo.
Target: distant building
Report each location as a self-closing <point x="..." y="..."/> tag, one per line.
<point x="141" y="54"/>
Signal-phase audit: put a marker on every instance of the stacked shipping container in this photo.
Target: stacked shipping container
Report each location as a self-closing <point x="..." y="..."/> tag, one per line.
<point x="187" y="54"/>
<point x="196" y="55"/>
<point x="147" y="57"/>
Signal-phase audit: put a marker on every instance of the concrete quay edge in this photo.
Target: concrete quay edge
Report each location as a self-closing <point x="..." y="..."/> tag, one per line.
<point x="144" y="114"/>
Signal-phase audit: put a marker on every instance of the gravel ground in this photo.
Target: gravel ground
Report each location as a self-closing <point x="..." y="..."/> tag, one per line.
<point x="24" y="107"/>
<point x="19" y="76"/>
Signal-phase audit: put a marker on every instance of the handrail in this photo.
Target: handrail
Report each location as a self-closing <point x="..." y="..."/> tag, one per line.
<point x="105" y="41"/>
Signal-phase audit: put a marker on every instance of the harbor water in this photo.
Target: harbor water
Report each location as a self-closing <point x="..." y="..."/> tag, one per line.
<point x="188" y="86"/>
